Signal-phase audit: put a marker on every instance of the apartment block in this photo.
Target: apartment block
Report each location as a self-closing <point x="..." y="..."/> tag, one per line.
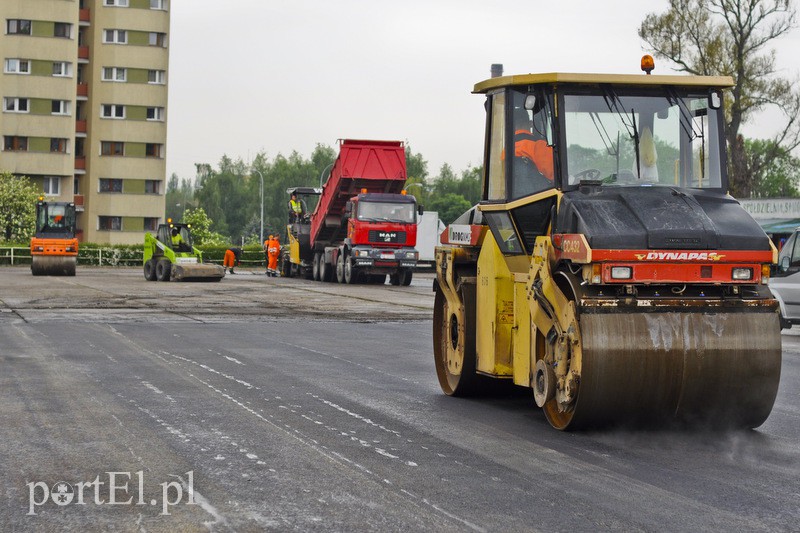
<point x="84" y="108"/>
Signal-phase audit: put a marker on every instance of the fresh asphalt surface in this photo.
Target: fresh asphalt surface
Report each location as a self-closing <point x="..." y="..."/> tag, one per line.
<point x="292" y="405"/>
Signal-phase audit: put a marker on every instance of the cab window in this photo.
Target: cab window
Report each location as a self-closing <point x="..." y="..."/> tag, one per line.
<point x="496" y="187"/>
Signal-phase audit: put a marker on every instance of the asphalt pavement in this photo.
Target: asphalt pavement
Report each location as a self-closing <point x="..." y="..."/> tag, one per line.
<point x="280" y="404"/>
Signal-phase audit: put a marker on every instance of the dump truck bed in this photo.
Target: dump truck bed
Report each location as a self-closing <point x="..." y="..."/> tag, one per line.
<point x="377" y="166"/>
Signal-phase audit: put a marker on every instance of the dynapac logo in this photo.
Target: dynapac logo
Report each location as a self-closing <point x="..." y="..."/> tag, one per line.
<point x="679" y="256"/>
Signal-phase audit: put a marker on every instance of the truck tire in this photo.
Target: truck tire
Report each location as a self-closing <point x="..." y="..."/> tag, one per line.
<point x="315" y="268"/>
<point x="405" y="277"/>
<point x="163" y="270"/>
<point x="286" y="267"/>
<point x="150" y="270"/>
<point x="350" y="271"/>
<point x="340" y="268"/>
<point x="325" y="269"/>
<point x="394" y="279"/>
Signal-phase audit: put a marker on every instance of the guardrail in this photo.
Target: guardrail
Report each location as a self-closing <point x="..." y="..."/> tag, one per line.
<point x="21" y="255"/>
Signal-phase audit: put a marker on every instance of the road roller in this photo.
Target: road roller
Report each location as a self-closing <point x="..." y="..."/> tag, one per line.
<point x="170" y="255"/>
<point x="606" y="268"/>
<point x="54" y="248"/>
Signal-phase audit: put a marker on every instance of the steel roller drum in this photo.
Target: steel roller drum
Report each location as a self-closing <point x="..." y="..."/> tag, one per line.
<point x="715" y="370"/>
<point x="53" y="265"/>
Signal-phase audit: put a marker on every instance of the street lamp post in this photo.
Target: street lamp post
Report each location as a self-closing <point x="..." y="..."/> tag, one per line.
<point x="261" y="235"/>
<point x="323" y="174"/>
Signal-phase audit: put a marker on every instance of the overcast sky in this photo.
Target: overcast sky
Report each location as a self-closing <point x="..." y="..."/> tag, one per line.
<point x="283" y="75"/>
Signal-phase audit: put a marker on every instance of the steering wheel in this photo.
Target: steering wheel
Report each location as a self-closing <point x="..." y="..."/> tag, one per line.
<point x="589" y="174"/>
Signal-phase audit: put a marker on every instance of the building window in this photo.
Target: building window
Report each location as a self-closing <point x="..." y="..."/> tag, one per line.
<point x="158" y="39"/>
<point x="155" y="76"/>
<point x="115" y="37"/>
<point x="158" y="4"/>
<point x="112" y="148"/>
<point x="17" y="66"/>
<point x="18" y="27"/>
<point x="58" y="145"/>
<point x="152" y="150"/>
<point x="112" y="111"/>
<point x="60" y="107"/>
<point x="116" y="3"/>
<point x="115" y="74"/>
<point x="15" y="105"/>
<point x="155" y="113"/>
<point x="109" y="223"/>
<point x="151" y="223"/>
<point x="62" y="69"/>
<point x="110" y="185"/>
<point x="152" y="186"/>
<point x="15" y="144"/>
<point x="52" y="185"/>
<point x="62" y="29"/>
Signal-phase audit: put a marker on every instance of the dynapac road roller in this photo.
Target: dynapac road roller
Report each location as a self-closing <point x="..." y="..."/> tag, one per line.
<point x="606" y="267"/>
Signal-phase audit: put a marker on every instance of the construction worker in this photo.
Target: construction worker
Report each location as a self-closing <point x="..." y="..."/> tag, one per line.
<point x="231" y="259"/>
<point x="531" y="145"/>
<point x="274" y="251"/>
<point x="177" y="240"/>
<point x="266" y="253"/>
<point x="296" y="210"/>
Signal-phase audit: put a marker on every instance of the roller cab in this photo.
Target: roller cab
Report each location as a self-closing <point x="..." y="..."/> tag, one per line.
<point x="54" y="247"/>
<point x="606" y="267"/>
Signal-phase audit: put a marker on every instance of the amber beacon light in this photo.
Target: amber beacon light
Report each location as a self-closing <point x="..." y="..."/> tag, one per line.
<point x="648" y="64"/>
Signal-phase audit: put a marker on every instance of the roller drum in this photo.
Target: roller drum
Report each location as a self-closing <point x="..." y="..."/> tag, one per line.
<point x="197" y="272"/>
<point x="53" y="265"/>
<point x="718" y="370"/>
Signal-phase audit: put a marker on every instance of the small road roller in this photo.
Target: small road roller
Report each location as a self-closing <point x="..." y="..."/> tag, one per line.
<point x="54" y="247"/>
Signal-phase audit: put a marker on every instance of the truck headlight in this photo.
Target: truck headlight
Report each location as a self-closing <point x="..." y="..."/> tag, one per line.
<point x="742" y="274"/>
<point x="362" y="253"/>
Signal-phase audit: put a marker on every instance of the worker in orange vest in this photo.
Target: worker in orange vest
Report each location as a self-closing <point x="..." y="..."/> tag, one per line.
<point x="273" y="251"/>
<point x="231" y="259"/>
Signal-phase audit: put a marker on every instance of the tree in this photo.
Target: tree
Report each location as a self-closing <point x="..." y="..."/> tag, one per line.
<point x="201" y="228"/>
<point x="17" y="207"/>
<point x="780" y="175"/>
<point x="449" y="206"/>
<point x="180" y="193"/>
<point x="733" y="38"/>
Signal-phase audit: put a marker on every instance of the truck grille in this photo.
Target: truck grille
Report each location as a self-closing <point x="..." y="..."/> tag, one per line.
<point x="398" y="237"/>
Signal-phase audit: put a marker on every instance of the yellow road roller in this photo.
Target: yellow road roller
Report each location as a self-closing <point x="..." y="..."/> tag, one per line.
<point x="606" y="268"/>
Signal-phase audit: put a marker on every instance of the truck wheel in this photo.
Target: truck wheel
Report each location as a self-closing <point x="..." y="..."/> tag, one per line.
<point x="315" y="268"/>
<point x="405" y="277"/>
<point x="350" y="271"/>
<point x="340" y="268"/>
<point x="394" y="279"/>
<point x="149" y="270"/>
<point x="378" y="279"/>
<point x="286" y="267"/>
<point x="325" y="269"/>
<point x="163" y="270"/>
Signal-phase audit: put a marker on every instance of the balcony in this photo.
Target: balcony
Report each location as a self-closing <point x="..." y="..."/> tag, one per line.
<point x="80" y="162"/>
<point x="78" y="201"/>
<point x="83" y="53"/>
<point x="85" y="16"/>
<point x="80" y="126"/>
<point x="83" y="90"/>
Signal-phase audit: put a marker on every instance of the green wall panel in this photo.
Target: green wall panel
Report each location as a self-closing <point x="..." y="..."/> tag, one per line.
<point x="38" y="144"/>
<point x="132" y="223"/>
<point x="133" y="186"/>
<point x="136" y="112"/>
<point x="135" y="149"/>
<point x="139" y="38"/>
<point x="42" y="28"/>
<point x="137" y="75"/>
<point x="140" y="4"/>
<point x="40" y="106"/>
<point x="41" y="68"/>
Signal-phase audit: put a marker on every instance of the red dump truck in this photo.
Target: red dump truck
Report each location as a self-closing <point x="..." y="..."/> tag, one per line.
<point x="364" y="225"/>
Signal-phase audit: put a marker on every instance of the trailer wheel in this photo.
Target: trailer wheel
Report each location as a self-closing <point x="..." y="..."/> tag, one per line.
<point x="163" y="270"/>
<point x="149" y="270"/>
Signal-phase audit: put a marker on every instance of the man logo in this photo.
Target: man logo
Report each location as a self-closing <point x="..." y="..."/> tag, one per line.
<point x="62" y="493"/>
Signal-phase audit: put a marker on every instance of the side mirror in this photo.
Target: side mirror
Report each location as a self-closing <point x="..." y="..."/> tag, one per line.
<point x="530" y="102"/>
<point x="785" y="262"/>
<point x="420" y="209"/>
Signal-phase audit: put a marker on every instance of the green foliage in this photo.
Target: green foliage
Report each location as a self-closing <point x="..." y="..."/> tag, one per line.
<point x="449" y="206"/>
<point x="201" y="228"/>
<point x="17" y="208"/>
<point x="732" y="38"/>
<point x="780" y="171"/>
<point x="179" y="197"/>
